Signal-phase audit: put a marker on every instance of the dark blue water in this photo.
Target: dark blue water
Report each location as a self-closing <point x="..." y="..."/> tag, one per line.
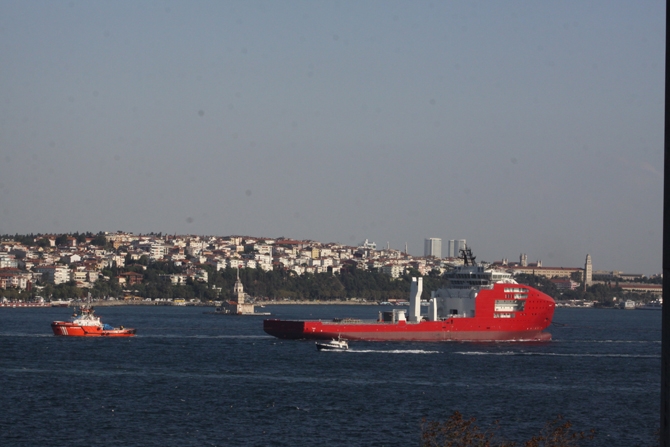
<point x="193" y="379"/>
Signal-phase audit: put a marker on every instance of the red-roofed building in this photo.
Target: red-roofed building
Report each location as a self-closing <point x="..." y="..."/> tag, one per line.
<point x="131" y="278"/>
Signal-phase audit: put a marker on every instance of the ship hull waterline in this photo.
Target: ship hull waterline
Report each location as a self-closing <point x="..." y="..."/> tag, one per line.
<point x="67" y="329"/>
<point x="424" y="331"/>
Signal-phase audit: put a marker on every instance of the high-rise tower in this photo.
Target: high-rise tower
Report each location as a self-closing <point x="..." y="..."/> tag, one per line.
<point x="433" y="247"/>
<point x="588" y="272"/>
<point x="450" y="248"/>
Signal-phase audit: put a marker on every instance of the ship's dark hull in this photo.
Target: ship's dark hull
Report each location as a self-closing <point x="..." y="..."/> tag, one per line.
<point x="401" y="331"/>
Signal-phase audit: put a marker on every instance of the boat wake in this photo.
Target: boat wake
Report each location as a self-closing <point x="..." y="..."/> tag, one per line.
<point x="658" y="342"/>
<point x="19" y="334"/>
<point x="395" y="351"/>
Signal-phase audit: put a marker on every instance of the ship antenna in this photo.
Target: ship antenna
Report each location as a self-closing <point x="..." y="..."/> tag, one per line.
<point x="468" y="259"/>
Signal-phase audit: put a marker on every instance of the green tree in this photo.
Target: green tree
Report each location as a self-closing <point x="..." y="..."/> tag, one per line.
<point x="100" y="240"/>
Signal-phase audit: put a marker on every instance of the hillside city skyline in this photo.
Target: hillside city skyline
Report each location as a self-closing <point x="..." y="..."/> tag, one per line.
<point x="86" y="256"/>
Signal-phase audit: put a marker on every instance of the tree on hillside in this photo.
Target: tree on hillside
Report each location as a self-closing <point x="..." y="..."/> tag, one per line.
<point x="100" y="240"/>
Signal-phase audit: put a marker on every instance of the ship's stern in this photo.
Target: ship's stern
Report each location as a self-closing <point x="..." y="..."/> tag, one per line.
<point x="284" y="328"/>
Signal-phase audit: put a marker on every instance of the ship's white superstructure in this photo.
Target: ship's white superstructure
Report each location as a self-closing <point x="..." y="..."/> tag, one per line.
<point x="465" y="282"/>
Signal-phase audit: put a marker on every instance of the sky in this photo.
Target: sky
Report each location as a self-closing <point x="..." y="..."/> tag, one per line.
<point x="521" y="126"/>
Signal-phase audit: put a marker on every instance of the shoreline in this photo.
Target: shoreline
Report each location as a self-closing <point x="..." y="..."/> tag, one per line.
<point x="256" y="304"/>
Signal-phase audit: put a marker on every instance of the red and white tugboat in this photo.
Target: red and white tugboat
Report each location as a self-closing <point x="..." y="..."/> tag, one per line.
<point x="87" y="324"/>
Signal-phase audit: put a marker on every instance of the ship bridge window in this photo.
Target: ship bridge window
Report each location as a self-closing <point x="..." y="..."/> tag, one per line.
<point x="515" y="290"/>
<point x="509" y="306"/>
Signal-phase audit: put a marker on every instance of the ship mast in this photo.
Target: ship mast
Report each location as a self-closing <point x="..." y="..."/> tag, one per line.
<point x="466" y="254"/>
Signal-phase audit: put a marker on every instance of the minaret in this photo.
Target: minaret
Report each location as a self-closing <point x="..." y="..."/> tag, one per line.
<point x="238" y="290"/>
<point x="588" y="272"/>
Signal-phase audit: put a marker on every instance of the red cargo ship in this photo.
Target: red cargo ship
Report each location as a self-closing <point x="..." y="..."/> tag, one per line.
<point x="86" y="324"/>
<point x="479" y="304"/>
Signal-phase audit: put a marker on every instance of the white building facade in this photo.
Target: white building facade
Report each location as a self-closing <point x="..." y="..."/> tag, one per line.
<point x="433" y="247"/>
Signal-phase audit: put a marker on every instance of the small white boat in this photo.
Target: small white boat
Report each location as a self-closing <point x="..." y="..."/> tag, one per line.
<point x="332" y="345"/>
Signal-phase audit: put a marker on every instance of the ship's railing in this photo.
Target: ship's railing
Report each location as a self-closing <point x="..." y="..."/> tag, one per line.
<point x="352" y="321"/>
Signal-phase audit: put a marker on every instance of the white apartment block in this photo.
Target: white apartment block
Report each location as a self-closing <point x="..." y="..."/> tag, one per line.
<point x="177" y="257"/>
<point x="157" y="251"/>
<point x="174" y="279"/>
<point x="111" y="259"/>
<point x="19" y="281"/>
<point x="54" y="273"/>
<point x="193" y="250"/>
<point x="8" y="261"/>
<point x="235" y="240"/>
<point x="264" y="249"/>
<point x="263" y="258"/>
<point x="70" y="258"/>
<point x="286" y="261"/>
<point x="218" y="264"/>
<point x="298" y="269"/>
<point x="393" y="270"/>
<point x="80" y="276"/>
<point x="265" y="267"/>
<point x="326" y="252"/>
<point x="235" y="263"/>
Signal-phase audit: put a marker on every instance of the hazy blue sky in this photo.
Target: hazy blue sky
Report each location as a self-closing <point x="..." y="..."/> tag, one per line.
<point x="520" y="126"/>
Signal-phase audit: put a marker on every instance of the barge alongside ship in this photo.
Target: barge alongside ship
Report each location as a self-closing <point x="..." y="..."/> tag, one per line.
<point x="479" y="304"/>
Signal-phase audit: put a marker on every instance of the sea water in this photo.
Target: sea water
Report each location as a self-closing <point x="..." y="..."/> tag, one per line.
<point x="190" y="378"/>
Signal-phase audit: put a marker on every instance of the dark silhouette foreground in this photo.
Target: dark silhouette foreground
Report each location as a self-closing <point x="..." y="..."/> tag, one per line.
<point x="460" y="432"/>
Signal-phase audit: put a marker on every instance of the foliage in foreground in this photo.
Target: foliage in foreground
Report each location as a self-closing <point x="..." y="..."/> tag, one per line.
<point x="457" y="431"/>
